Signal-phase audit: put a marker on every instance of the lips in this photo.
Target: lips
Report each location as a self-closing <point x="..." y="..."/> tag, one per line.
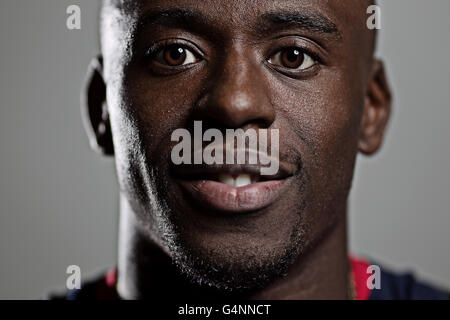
<point x="231" y="188"/>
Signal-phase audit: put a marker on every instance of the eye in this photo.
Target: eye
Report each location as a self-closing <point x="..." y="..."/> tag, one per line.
<point x="175" y="55"/>
<point x="292" y="58"/>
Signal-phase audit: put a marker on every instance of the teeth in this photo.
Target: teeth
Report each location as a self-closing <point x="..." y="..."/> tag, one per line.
<point x="240" y="181"/>
<point x="226" y="179"/>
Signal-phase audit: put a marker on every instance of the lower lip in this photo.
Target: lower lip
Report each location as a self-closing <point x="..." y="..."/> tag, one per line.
<point x="222" y="197"/>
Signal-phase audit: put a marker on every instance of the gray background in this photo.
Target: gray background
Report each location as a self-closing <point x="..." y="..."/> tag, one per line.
<point x="58" y="200"/>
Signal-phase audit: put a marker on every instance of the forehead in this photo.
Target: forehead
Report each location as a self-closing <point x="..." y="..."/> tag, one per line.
<point x="346" y="14"/>
<point x="346" y="5"/>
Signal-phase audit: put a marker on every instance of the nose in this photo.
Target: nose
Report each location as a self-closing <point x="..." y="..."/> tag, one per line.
<point x="237" y="94"/>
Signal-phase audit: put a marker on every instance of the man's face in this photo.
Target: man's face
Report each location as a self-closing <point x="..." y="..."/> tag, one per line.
<point x="301" y="67"/>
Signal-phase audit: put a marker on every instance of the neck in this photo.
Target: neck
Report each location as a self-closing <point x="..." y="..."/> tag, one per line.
<point x="145" y="270"/>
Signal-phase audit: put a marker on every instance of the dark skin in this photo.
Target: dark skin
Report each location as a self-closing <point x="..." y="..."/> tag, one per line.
<point x="304" y="68"/>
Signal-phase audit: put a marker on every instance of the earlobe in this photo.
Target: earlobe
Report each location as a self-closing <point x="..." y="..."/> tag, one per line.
<point x="94" y="109"/>
<point x="377" y="109"/>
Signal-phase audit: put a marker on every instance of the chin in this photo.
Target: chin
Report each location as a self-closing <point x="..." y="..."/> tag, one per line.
<point x="235" y="262"/>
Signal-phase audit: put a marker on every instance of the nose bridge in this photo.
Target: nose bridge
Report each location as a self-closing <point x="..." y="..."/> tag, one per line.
<point x="238" y="93"/>
<point x="237" y="74"/>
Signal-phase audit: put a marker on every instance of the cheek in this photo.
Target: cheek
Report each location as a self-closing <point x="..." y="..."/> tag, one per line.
<point x="323" y="114"/>
<point x="159" y="106"/>
<point x="144" y="113"/>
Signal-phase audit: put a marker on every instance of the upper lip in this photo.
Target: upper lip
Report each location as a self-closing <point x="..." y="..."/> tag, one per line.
<point x="207" y="172"/>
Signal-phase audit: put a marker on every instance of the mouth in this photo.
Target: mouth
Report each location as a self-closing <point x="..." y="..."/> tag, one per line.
<point x="231" y="188"/>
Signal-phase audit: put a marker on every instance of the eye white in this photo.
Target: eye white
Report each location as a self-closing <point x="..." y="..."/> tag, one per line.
<point x="190" y="57"/>
<point x="308" y="62"/>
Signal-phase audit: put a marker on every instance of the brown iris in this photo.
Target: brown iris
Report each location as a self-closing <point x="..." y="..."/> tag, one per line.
<point x="174" y="56"/>
<point x="292" y="58"/>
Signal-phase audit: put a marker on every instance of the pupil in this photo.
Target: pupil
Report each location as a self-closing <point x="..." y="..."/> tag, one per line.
<point x="293" y="55"/>
<point x="292" y="58"/>
<point x="177" y="53"/>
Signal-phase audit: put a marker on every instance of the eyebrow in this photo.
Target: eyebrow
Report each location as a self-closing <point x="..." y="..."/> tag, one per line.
<point x="312" y="21"/>
<point x="175" y="18"/>
<point x="308" y="20"/>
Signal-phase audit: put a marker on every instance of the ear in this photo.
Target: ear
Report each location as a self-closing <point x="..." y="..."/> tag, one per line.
<point x="377" y="109"/>
<point x="94" y="109"/>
